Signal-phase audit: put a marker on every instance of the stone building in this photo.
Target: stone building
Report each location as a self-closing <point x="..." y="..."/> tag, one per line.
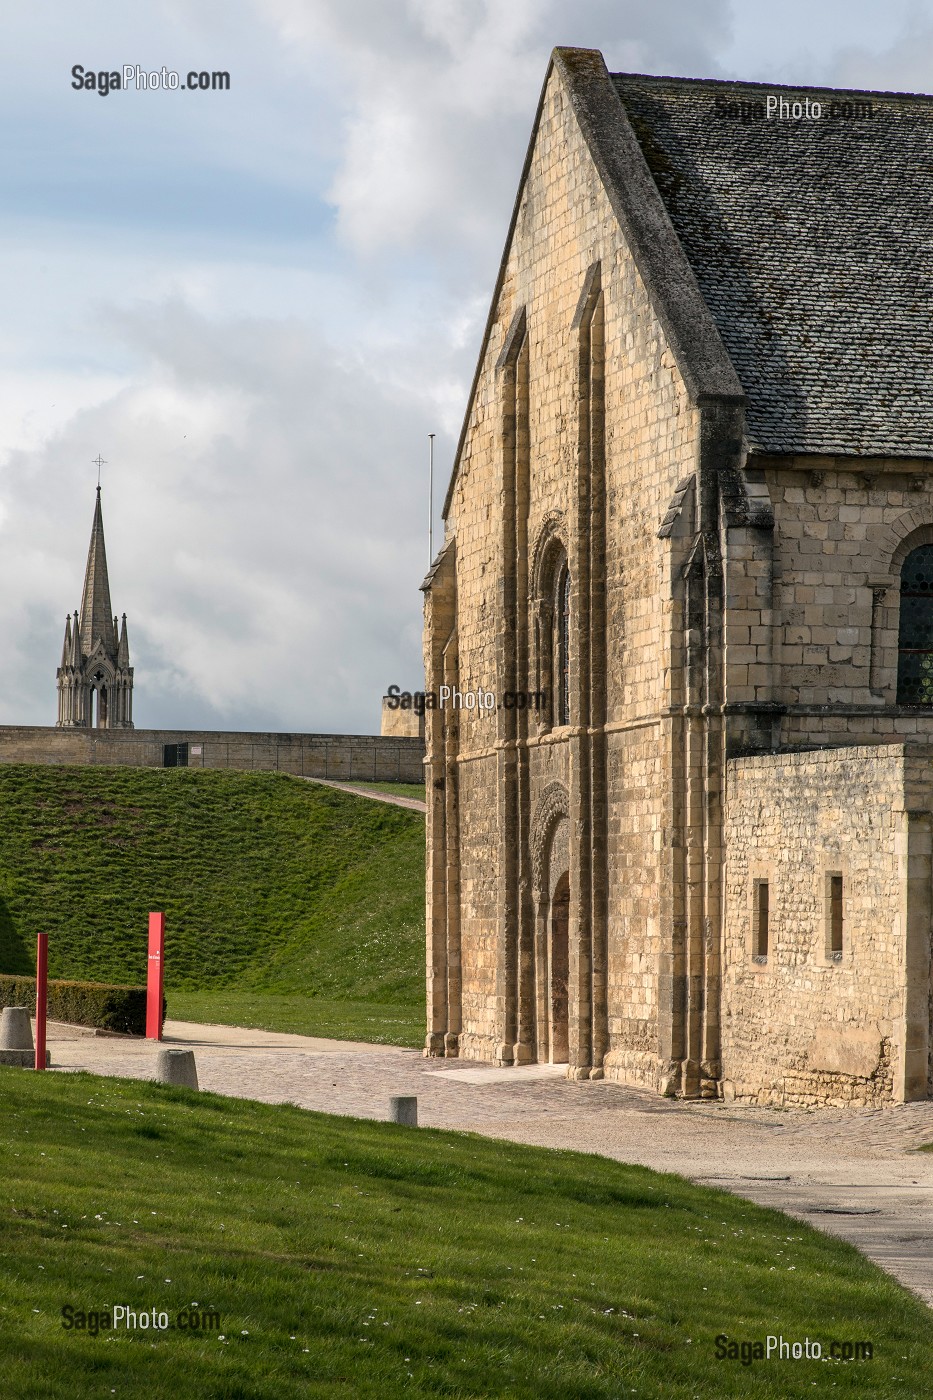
<point x="692" y="503"/>
<point x="95" y="679"/>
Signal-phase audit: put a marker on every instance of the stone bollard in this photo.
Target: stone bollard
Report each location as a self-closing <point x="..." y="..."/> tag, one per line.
<point x="404" y="1110"/>
<point x="177" y="1067"/>
<point x="15" y="1030"/>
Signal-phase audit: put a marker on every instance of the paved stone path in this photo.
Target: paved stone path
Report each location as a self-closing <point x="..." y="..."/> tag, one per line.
<point x="853" y="1172"/>
<point x="391" y="797"/>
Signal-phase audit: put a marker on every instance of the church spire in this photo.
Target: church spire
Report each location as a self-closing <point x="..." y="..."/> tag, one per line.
<point x="96" y="610"/>
<point x="95" y="679"/>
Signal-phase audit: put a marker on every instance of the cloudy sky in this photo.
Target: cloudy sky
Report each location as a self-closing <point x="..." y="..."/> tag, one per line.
<point x="257" y="304"/>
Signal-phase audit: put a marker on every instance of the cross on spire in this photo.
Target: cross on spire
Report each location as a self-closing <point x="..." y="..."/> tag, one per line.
<point x="98" y="462"/>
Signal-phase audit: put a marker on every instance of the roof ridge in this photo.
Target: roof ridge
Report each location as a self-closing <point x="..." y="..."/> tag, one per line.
<point x="771" y="87"/>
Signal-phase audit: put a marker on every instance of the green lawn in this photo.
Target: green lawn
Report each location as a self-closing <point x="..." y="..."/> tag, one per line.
<point x="362" y="1261"/>
<point x="378" y="1022"/>
<point x="300" y="901"/>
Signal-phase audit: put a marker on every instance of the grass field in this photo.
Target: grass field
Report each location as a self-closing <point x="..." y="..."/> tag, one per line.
<point x="282" y="898"/>
<point x="362" y="1261"/>
<point x="384" y="1023"/>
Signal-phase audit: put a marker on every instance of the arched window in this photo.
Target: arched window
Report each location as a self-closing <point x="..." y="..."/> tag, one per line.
<point x="915" y="637"/>
<point x="561" y="650"/>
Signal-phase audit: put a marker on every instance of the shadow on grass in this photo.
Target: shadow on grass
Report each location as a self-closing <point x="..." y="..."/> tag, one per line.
<point x="15" y="957"/>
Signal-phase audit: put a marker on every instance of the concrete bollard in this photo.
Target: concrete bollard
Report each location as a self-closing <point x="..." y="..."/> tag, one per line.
<point x="15" y="1030"/>
<point x="404" y="1110"/>
<point x="177" y="1067"/>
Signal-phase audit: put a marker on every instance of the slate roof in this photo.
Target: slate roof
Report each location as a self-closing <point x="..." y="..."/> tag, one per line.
<point x="812" y="243"/>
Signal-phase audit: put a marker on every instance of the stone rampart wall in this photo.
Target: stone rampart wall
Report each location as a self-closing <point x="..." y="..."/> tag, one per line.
<point x="359" y="757"/>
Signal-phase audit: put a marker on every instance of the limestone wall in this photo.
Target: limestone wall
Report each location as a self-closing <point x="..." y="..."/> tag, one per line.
<point x="800" y="1026"/>
<point x="841" y="531"/>
<point x="639" y="762"/>
<point x="717" y="608"/>
<point x="339" y="756"/>
<point x="650" y="437"/>
<point x="481" y="1011"/>
<point x="650" y="428"/>
<point x="398" y="723"/>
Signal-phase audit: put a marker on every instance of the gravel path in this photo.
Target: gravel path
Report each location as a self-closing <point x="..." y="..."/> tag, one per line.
<point x="853" y="1172"/>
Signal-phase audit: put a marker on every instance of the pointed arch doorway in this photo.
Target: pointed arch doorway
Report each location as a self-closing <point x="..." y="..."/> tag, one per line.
<point x="551" y="952"/>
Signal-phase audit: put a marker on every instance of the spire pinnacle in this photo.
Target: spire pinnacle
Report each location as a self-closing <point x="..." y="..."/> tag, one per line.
<point x="123" y="650"/>
<point x="96" y="609"/>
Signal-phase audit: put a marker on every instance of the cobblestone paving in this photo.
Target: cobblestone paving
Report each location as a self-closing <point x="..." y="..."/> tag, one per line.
<point x="853" y="1172"/>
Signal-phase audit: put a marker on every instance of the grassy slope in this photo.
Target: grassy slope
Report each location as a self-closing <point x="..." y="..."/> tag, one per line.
<point x="278" y="894"/>
<point x="359" y="1260"/>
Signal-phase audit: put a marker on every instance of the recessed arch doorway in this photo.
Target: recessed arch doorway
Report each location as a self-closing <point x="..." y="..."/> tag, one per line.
<point x="551" y="954"/>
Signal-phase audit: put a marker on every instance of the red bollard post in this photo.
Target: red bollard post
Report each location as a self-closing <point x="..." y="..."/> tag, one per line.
<point x="155" y="976"/>
<point x="42" y="996"/>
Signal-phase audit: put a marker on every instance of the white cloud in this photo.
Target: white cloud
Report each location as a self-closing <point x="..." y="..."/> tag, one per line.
<point x="261" y="537"/>
<point x="904" y="64"/>
<point x="440" y="94"/>
<point x="259" y="304"/>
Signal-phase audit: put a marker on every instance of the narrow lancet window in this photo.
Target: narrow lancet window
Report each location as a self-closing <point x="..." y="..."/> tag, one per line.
<point x="760" y="919"/>
<point x="562" y="648"/>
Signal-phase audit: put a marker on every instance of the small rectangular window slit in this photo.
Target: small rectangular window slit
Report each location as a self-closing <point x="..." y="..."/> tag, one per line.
<point x="835" y="918"/>
<point x="760" y="922"/>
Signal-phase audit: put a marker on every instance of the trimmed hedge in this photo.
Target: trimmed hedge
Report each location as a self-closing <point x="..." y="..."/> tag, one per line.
<point x="95" y="1004"/>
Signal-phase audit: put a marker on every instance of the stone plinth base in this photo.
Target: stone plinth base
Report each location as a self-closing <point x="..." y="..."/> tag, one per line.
<point x="25" y="1059"/>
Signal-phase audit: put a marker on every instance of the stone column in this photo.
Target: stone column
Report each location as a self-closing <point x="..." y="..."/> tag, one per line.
<point x="512" y="368"/>
<point x="913" y="1036"/>
<point x="440" y="610"/>
<point x="451" y="733"/>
